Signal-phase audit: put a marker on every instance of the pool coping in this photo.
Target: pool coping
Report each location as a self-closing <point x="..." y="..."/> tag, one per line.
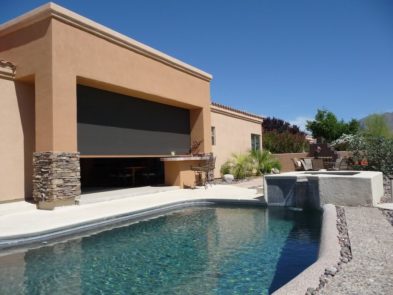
<point x="40" y="238"/>
<point x="329" y="255"/>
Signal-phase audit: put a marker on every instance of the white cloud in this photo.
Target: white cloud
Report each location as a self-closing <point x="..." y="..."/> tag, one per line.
<point x="301" y="122"/>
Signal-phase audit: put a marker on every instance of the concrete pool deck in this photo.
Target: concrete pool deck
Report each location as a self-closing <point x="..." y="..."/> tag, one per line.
<point x="20" y="219"/>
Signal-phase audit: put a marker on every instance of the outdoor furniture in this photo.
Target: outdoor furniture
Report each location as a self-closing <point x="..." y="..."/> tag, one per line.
<point x="328" y="162"/>
<point x="345" y="164"/>
<point x="298" y="164"/>
<point x="133" y="170"/>
<point x="317" y="164"/>
<point x="307" y="164"/>
<point x="205" y="171"/>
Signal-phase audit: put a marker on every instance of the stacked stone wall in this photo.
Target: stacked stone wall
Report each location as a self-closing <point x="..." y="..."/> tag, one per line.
<point x="56" y="177"/>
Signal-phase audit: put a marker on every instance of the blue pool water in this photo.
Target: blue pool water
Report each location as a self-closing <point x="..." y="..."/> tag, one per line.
<point x="200" y="250"/>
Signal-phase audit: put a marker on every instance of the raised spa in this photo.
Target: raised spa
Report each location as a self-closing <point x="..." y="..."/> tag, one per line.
<point x="200" y="250"/>
<point x="313" y="189"/>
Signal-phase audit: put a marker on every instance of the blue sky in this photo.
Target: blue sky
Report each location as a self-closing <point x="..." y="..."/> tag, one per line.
<point x="280" y="58"/>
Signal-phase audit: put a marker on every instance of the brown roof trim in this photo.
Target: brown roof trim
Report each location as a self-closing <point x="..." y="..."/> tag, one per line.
<point x="236" y="110"/>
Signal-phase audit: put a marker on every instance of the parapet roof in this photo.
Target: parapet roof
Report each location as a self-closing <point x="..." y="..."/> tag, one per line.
<point x="71" y="18"/>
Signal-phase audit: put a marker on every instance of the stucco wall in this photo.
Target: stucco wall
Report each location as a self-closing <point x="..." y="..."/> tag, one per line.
<point x="233" y="135"/>
<point x="17" y="140"/>
<point x="56" y="49"/>
<point x="286" y="160"/>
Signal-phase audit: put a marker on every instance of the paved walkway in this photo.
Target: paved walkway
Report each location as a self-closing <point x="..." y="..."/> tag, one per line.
<point x="371" y="269"/>
<point x="21" y="218"/>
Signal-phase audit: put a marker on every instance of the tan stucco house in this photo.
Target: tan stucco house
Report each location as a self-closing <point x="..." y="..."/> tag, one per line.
<point x="233" y="132"/>
<point x="66" y="84"/>
<point x="84" y="106"/>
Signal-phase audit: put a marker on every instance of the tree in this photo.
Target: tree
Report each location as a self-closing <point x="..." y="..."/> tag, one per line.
<point x="326" y="127"/>
<point x="376" y="125"/>
<point x="280" y="126"/>
<point x="280" y="136"/>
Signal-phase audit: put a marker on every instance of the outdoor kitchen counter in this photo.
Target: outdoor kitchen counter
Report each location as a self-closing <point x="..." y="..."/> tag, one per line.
<point x="178" y="170"/>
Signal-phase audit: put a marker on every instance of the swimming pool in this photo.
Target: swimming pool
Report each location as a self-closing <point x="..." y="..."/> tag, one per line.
<point x="199" y="250"/>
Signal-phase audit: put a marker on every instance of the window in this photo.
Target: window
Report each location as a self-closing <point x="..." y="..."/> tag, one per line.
<point x="213" y="135"/>
<point x="255" y="142"/>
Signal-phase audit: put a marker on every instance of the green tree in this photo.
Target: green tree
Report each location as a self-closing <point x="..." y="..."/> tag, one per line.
<point x="280" y="136"/>
<point x="326" y="127"/>
<point x="376" y="125"/>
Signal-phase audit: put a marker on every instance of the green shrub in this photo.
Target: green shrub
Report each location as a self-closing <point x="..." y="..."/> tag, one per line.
<point x="378" y="151"/>
<point x="343" y="142"/>
<point x="284" y="142"/>
<point x="263" y="161"/>
<point x="226" y="168"/>
<point x="239" y="165"/>
<point x="253" y="163"/>
<point x="242" y="166"/>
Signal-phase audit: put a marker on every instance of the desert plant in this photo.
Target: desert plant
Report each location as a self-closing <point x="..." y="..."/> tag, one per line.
<point x="242" y="166"/>
<point x="239" y="165"/>
<point x="342" y="143"/>
<point x="263" y="161"/>
<point x="255" y="162"/>
<point x="378" y="151"/>
<point x="226" y="168"/>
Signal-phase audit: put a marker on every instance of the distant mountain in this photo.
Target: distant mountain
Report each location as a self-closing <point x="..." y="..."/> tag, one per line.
<point x="388" y="116"/>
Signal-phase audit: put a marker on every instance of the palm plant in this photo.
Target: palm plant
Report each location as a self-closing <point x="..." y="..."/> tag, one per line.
<point x="242" y="166"/>
<point x="263" y="161"/>
<point x="255" y="162"/>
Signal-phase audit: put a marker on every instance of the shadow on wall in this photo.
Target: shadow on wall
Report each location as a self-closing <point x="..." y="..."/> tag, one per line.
<point x="26" y="104"/>
<point x="25" y="36"/>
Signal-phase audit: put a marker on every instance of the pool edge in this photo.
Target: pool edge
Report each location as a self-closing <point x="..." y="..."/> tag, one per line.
<point x="329" y="255"/>
<point x="9" y="243"/>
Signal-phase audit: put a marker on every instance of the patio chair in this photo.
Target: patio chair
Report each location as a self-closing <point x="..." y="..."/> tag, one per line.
<point x="346" y="164"/>
<point x="307" y="164"/>
<point x="317" y="164"/>
<point x="298" y="164"/>
<point x="205" y="171"/>
<point x="336" y="165"/>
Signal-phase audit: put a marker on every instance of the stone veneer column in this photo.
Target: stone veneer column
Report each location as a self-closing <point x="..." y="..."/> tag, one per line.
<point x="56" y="179"/>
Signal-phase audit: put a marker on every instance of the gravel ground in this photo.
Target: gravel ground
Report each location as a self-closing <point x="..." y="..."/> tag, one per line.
<point x="388" y="214"/>
<point x="387" y="198"/>
<point x="371" y="269"/>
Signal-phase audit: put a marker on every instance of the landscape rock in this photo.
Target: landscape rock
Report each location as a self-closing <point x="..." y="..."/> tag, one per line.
<point x="228" y="178"/>
<point x="346" y="253"/>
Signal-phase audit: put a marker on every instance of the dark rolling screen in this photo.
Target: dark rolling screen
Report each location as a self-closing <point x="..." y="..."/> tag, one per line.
<point x="115" y="124"/>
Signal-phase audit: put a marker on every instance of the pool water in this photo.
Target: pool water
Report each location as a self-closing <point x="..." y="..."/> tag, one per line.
<point x="200" y="250"/>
